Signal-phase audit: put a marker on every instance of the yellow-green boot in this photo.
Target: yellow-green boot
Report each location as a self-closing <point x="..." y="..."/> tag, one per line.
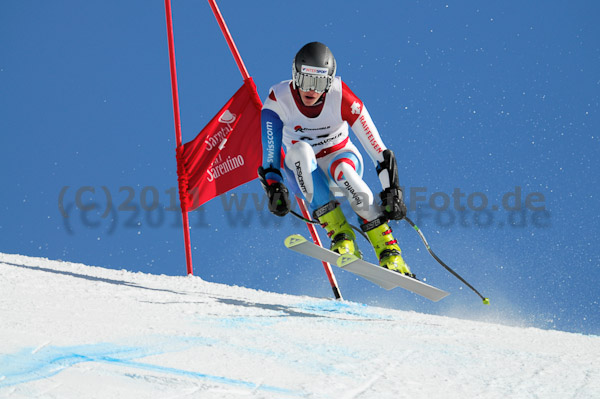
<point x="342" y="237"/>
<point x="386" y="247"/>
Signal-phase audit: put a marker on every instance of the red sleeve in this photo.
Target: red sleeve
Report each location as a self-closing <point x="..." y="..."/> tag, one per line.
<point x="351" y="105"/>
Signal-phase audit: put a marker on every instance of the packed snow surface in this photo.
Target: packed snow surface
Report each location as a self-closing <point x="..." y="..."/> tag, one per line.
<point x="74" y="331"/>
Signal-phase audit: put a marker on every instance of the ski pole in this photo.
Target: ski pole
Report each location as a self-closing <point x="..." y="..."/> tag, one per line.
<point x="486" y="301"/>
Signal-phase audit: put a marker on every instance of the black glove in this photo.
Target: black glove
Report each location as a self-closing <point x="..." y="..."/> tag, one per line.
<point x="279" y="199"/>
<point x="392" y="203"/>
<point x="277" y="193"/>
<point x="392" y="200"/>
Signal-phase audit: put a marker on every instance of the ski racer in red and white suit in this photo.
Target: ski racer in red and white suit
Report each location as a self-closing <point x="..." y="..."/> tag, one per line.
<point x="320" y="133"/>
<point x="321" y="161"/>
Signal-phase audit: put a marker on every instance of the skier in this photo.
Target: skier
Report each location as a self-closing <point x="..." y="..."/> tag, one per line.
<point x="310" y="115"/>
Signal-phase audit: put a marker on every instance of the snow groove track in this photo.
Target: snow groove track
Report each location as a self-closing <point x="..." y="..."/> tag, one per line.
<point x="76" y="331"/>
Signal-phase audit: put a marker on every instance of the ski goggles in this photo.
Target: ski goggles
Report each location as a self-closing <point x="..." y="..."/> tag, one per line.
<point x="313" y="79"/>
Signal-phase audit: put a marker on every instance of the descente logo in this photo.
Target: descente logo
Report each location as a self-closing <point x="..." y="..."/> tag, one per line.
<point x="300" y="178"/>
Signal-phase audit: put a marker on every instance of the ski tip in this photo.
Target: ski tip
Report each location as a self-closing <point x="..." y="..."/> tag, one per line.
<point x="293" y="240"/>
<point x="486" y="301"/>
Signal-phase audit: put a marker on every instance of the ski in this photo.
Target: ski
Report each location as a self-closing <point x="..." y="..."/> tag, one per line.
<point x="376" y="274"/>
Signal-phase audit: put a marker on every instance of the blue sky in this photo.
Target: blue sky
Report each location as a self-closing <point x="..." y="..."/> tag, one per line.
<point x="483" y="98"/>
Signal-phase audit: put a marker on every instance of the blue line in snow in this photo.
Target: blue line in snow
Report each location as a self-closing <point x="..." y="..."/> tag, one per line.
<point x="29" y="365"/>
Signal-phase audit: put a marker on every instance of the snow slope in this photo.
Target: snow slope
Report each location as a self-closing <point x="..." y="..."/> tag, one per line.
<point x="74" y="331"/>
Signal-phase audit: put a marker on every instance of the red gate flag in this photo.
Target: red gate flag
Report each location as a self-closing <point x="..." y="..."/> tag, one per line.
<point x="225" y="154"/>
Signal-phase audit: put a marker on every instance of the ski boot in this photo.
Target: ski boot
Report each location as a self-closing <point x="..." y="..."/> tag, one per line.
<point x="342" y="237"/>
<point x="386" y="247"/>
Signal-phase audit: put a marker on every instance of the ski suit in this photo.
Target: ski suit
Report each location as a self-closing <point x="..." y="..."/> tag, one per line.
<point x="320" y="159"/>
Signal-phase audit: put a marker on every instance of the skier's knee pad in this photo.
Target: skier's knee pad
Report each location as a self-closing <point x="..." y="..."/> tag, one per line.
<point x="348" y="159"/>
<point x="346" y="170"/>
<point x="301" y="153"/>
